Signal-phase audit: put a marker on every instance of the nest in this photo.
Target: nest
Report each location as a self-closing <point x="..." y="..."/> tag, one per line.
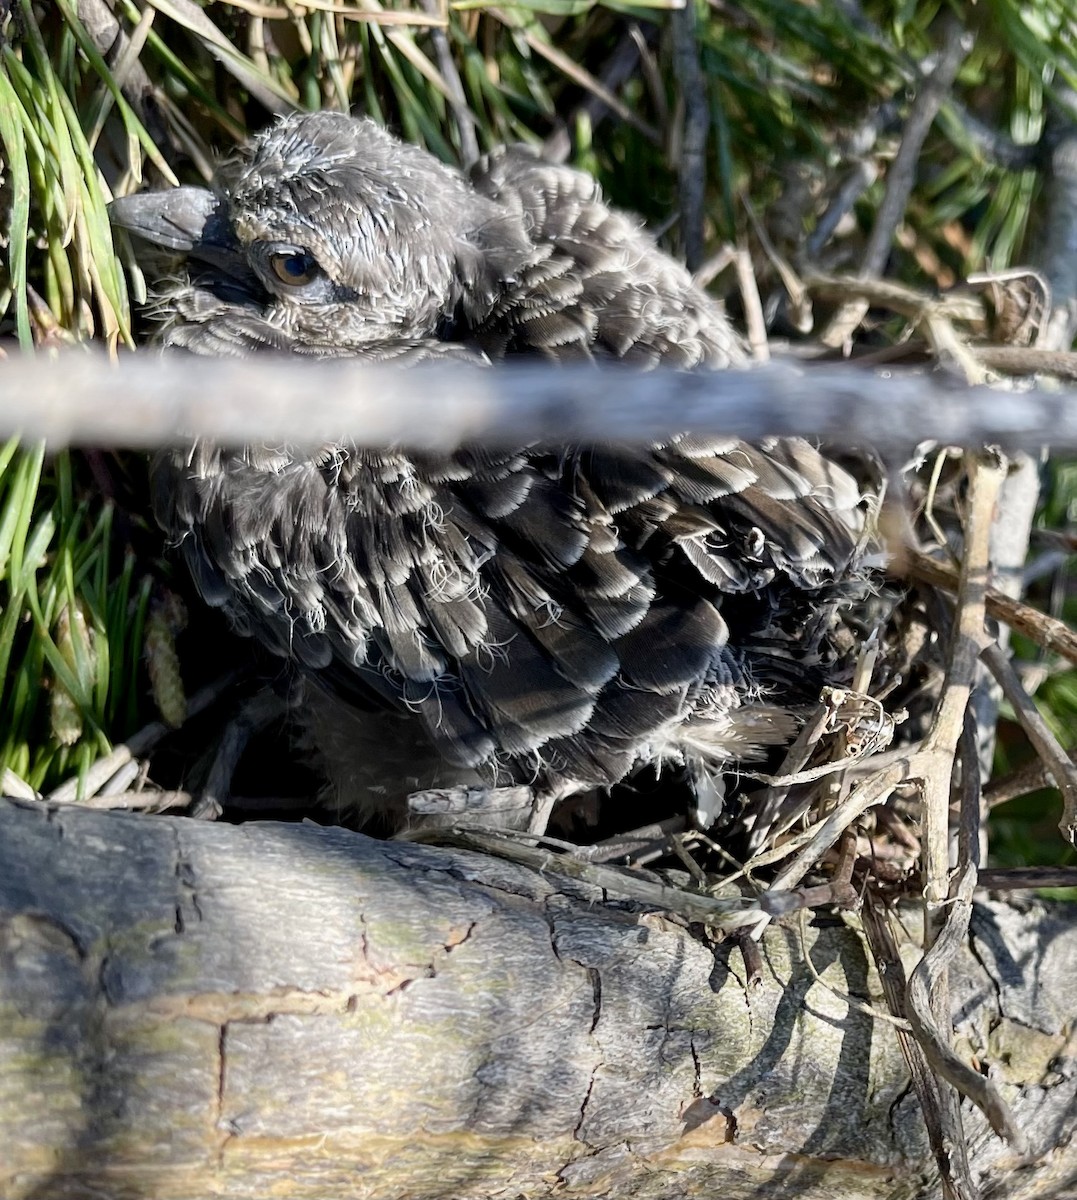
<point x="880" y="797"/>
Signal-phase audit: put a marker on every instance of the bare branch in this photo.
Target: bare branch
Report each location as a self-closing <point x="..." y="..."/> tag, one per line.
<point x="1029" y="777"/>
<point x="1055" y="759"/>
<point x="1046" y="631"/>
<point x="291" y="1010"/>
<point x="697" y="119"/>
<point x="1009" y="879"/>
<point x="956" y="43"/>
<point x="462" y="116"/>
<point x="148" y="401"/>
<point x="928" y="976"/>
<point x="946" y="731"/>
<point x="1060" y="228"/>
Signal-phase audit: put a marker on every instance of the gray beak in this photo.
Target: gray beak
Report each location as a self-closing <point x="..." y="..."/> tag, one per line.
<point x="176" y="219"/>
<point x="193" y="222"/>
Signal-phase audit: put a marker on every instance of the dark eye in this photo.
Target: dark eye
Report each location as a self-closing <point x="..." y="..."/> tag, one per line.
<point x="295" y="268"/>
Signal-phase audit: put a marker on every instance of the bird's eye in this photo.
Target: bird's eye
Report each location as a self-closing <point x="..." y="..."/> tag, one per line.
<point x="294" y="268"/>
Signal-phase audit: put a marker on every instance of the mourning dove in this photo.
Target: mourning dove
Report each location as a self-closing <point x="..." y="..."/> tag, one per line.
<point x="548" y="616"/>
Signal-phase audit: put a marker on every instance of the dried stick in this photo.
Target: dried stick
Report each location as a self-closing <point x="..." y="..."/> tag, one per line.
<point x="956" y="43"/>
<point x="1055" y="759"/>
<point x="619" y="67"/>
<point x="137" y="745"/>
<point x="113" y="43"/>
<point x="945" y="918"/>
<point x="150" y="400"/>
<point x="912" y="303"/>
<point x="942" y="741"/>
<point x="697" y="119"/>
<point x="254" y="715"/>
<point x="633" y="842"/>
<point x="1028" y="360"/>
<point x="871" y="791"/>
<point x="971" y="830"/>
<point x="1046" y="631"/>
<point x="769" y="802"/>
<point x="929" y="978"/>
<point x="856" y="183"/>
<point x="106" y="33"/>
<point x="150" y="800"/>
<point x="1030" y="777"/>
<point x="724" y="912"/>
<point x="462" y="116"/>
<point x="566" y="64"/>
<point x="753" y="306"/>
<point x="938" y="1109"/>
<point x="1060" y="238"/>
<point x="1006" y="879"/>
<point x="263" y="88"/>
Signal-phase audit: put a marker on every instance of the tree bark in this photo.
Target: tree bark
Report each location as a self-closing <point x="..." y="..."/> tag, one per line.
<point x="192" y="1010"/>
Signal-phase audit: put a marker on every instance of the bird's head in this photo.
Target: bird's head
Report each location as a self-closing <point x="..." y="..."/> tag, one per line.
<point x="328" y="235"/>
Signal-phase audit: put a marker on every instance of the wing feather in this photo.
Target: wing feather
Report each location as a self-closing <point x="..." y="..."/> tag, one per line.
<point x="559" y="611"/>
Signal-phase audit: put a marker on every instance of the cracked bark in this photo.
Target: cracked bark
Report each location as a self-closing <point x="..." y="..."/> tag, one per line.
<point x="333" y="1016"/>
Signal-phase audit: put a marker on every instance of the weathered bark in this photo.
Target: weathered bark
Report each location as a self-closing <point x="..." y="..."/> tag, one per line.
<point x="191" y="1010"/>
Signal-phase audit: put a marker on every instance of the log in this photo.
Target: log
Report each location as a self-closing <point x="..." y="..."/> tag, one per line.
<point x="192" y="1010"/>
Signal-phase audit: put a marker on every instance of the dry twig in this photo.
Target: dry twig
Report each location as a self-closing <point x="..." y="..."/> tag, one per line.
<point x="1057" y="763"/>
<point x="150" y="400"/>
<point x="956" y="43"/>
<point x="1029" y="777"/>
<point x="697" y="119"/>
<point x="929" y="978"/>
<point x="937" y="1107"/>
<point x="463" y="118"/>
<point x="1046" y="631"/>
<point x="137" y="745"/>
<point x="254" y="715"/>
<point x="941" y="744"/>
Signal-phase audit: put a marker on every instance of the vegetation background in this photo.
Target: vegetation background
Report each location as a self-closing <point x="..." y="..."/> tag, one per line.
<point x="757" y="134"/>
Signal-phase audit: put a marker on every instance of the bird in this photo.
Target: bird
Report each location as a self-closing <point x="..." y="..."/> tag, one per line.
<point x="551" y="618"/>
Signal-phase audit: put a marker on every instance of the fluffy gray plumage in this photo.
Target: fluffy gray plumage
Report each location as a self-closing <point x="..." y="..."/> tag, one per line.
<point x="554" y="617"/>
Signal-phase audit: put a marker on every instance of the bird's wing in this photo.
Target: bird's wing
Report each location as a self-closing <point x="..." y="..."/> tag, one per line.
<point x="598" y="283"/>
<point x="558" y="608"/>
<point x="609" y="581"/>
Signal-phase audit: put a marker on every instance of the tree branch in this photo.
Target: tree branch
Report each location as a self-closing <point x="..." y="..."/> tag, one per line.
<point x="191" y="1009"/>
<point x="147" y="401"/>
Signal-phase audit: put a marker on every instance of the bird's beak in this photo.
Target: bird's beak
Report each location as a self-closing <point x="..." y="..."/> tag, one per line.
<point x="176" y="219"/>
<point x="193" y="222"/>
